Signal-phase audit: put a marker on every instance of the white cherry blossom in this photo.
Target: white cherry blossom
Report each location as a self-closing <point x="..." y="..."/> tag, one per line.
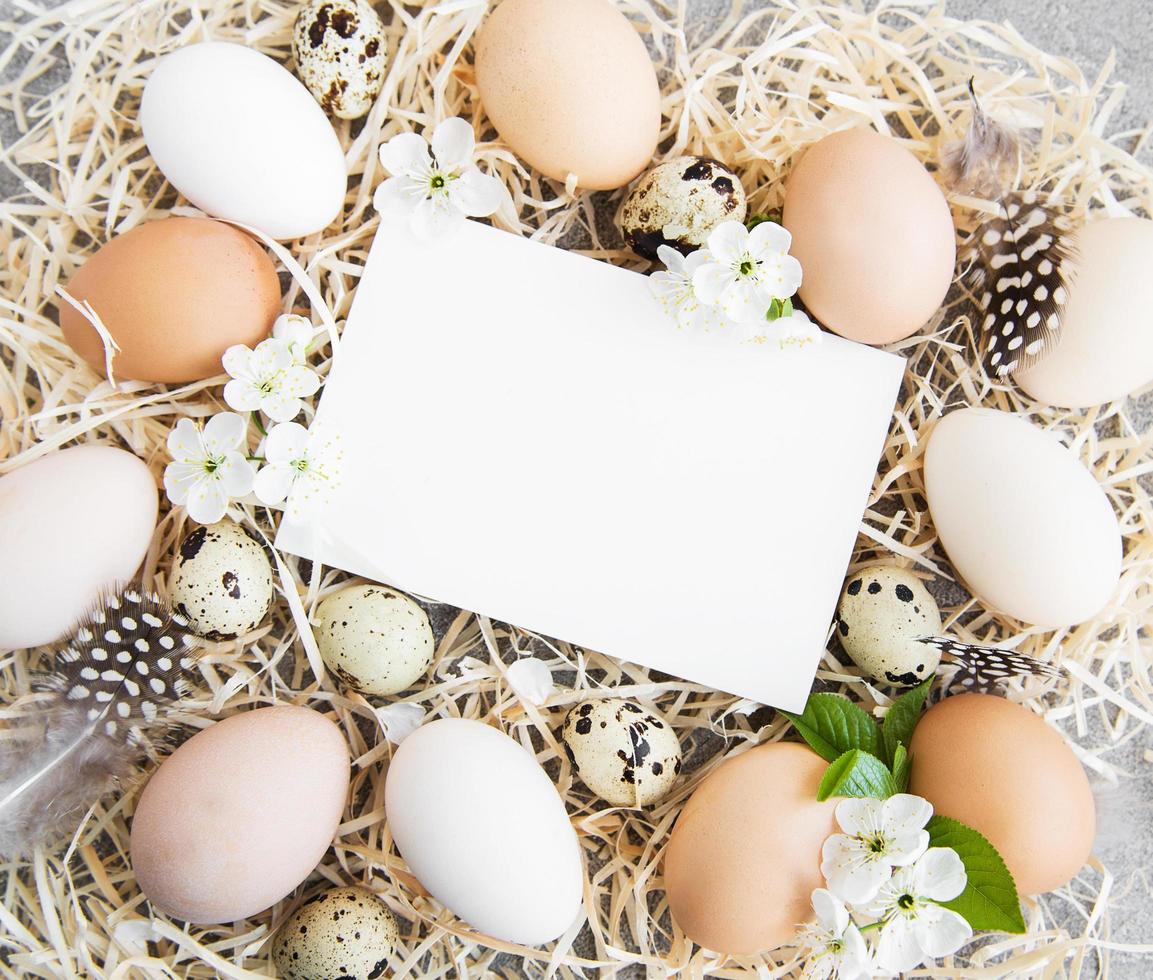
<point x="793" y="332"/>
<point x="879" y="835"/>
<point x="916" y="928"/>
<point x="297" y="332"/>
<point x="302" y="467"/>
<point x="209" y="467"/>
<point x="836" y="948"/>
<point x="532" y="680"/>
<point x="747" y="269"/>
<point x="674" y="289"/>
<point x="435" y="190"/>
<point x="267" y="379"/>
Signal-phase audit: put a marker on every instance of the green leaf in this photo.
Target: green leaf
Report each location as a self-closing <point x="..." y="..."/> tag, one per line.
<point x="857" y="773"/>
<point x="760" y="217"/>
<point x="902" y="719"/>
<point x="774" y="311"/>
<point x="786" y="307"/>
<point x="902" y="768"/>
<point x="989" y="902"/>
<point x="832" y="725"/>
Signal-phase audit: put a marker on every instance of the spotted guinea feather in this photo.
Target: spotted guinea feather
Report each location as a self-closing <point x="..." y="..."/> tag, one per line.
<point x="983" y="668"/>
<point x="126" y="661"/>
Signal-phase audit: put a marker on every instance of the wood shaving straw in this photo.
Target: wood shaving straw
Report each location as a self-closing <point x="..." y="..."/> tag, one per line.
<point x="752" y="91"/>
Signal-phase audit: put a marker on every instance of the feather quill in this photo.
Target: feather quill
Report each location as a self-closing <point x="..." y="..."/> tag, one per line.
<point x="1018" y="259"/>
<point x="984" y="668"/>
<point x="126" y="661"/>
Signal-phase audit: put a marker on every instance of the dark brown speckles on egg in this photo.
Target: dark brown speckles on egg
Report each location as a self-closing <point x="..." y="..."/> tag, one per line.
<point x="340" y="54"/>
<point x="904" y="593"/>
<point x="344" y="934"/>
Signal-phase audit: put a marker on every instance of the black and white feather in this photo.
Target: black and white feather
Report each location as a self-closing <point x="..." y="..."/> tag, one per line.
<point x="1017" y="260"/>
<point x="983" y="668"/>
<point x="126" y="661"/>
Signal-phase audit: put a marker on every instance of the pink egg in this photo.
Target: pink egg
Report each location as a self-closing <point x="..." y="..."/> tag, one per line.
<point x="71" y="524"/>
<point x="240" y="814"/>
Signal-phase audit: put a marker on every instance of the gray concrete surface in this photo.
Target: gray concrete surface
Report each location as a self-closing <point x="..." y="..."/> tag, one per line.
<point x="1085" y="30"/>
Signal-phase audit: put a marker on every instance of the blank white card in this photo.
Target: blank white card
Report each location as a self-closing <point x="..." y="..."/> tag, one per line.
<point x="527" y="435"/>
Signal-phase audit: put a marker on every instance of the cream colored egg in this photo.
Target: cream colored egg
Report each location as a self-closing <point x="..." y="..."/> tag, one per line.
<point x="222" y="581"/>
<point x="678" y="203"/>
<point x="882" y="611"/>
<point x="340" y="54"/>
<point x="341" y="932"/>
<point x="569" y="85"/>
<point x="1106" y="346"/>
<point x="1023" y="522"/>
<point x="375" y="639"/>
<point x="624" y="752"/>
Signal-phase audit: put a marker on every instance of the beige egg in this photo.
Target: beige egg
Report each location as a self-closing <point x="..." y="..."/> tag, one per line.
<point x="240" y="814"/>
<point x="375" y="639"/>
<point x="340" y="54"/>
<point x="1024" y="524"/>
<point x="678" y="203"/>
<point x="1106" y="346"/>
<point x="570" y="87"/>
<point x="342" y="932"/>
<point x="221" y="581"/>
<point x="745" y="853"/>
<point x="624" y="752"/>
<point x="881" y="612"/>
<point x="997" y="767"/>
<point x="873" y="234"/>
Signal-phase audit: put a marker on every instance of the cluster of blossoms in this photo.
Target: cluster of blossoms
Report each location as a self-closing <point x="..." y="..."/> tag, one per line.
<point x="741" y="280"/>
<point x="211" y="466"/>
<point x="884" y="879"/>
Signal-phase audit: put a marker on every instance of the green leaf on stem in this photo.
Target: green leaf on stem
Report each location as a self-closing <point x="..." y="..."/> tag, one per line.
<point x="902" y="719"/>
<point x="990" y="902"/>
<point x="857" y="773"/>
<point x="832" y="725"/>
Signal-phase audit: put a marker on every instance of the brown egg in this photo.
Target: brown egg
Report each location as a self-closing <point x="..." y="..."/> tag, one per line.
<point x="873" y="234"/>
<point x="745" y="853"/>
<point x="569" y="85"/>
<point x="174" y="294"/>
<point x="999" y="768"/>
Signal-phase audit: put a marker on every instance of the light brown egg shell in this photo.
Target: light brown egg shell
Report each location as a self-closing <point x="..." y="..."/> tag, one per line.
<point x="679" y="202"/>
<point x="340" y="54"/>
<point x="221" y="581"/>
<point x="375" y="639"/>
<point x="343" y="932"/>
<point x="605" y="741"/>
<point x="881" y="610"/>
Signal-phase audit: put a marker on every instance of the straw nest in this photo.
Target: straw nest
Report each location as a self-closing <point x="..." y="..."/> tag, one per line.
<point x="752" y="91"/>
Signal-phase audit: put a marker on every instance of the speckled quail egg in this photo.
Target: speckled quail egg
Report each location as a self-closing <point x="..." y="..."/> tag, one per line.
<point x="678" y="203"/>
<point x="624" y="752"/>
<point x="340" y="55"/>
<point x="882" y="610"/>
<point x="221" y="581"/>
<point x="375" y="639"/>
<point x="343" y="932"/>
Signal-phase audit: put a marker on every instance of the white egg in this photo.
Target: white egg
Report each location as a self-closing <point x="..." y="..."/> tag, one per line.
<point x="678" y="203"/>
<point x="1106" y="347"/>
<point x="375" y="639"/>
<point x="624" y="752"/>
<point x="243" y="140"/>
<point x="341" y="932"/>
<point x="484" y="830"/>
<point x="221" y="581"/>
<point x="340" y="54"/>
<point x="1023" y="522"/>
<point x="882" y="610"/>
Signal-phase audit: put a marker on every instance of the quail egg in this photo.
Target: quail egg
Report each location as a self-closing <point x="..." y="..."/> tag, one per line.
<point x="678" y="203"/>
<point x="340" y="55"/>
<point x="221" y="581"/>
<point x="375" y="639"/>
<point x="882" y="610"/>
<point x="343" y="932"/>
<point x="625" y="753"/>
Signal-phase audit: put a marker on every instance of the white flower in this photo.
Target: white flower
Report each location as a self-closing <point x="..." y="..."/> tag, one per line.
<point x="297" y="332"/>
<point x="793" y="332"/>
<point x="531" y="679"/>
<point x="433" y="191"/>
<point x="303" y="466"/>
<point x="208" y="468"/>
<point x="748" y="269"/>
<point x="915" y="927"/>
<point x="836" y="947"/>
<point x="268" y="379"/>
<point x="673" y="287"/>
<point x="879" y="836"/>
<point x="399" y="720"/>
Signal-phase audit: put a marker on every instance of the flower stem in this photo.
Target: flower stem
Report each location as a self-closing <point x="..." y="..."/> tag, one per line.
<point x="259" y="423"/>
